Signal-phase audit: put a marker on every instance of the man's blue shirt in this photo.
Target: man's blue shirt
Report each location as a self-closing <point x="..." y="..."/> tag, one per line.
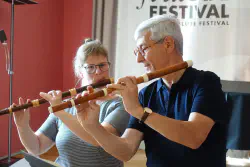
<point x="196" y="91"/>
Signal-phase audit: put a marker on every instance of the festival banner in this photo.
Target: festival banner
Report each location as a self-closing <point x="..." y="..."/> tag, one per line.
<point x="216" y="34"/>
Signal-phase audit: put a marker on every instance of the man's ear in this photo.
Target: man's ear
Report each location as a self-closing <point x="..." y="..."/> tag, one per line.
<point x="169" y="43"/>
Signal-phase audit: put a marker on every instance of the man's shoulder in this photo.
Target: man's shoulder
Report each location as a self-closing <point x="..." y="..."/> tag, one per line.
<point x="199" y="76"/>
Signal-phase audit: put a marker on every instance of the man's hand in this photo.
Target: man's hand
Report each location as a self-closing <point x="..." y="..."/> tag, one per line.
<point x="128" y="89"/>
<point x="88" y="112"/>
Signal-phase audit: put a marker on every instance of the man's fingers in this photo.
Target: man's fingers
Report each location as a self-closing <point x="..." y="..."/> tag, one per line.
<point x="93" y="105"/>
<point x="116" y="86"/>
<point x="90" y="89"/>
<point x="133" y="79"/>
<point x="79" y="114"/>
<point x="78" y="95"/>
<point x="116" y="92"/>
<point x="82" y="106"/>
<point x="122" y="83"/>
<point x="78" y="108"/>
<point x="84" y="93"/>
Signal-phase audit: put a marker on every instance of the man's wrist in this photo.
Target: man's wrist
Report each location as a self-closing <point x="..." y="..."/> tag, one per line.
<point x="92" y="128"/>
<point x="139" y="113"/>
<point x="146" y="112"/>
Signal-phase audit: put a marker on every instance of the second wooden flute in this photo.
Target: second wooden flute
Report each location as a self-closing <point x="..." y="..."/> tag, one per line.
<point x="71" y="92"/>
<point x="104" y="92"/>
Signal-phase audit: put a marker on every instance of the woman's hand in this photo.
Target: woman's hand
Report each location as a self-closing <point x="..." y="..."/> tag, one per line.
<point x="22" y="118"/>
<point x="53" y="97"/>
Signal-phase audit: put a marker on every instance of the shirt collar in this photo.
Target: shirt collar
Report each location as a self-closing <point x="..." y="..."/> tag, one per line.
<point x="185" y="79"/>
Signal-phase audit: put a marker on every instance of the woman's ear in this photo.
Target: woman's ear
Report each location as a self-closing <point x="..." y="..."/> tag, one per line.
<point x="81" y="76"/>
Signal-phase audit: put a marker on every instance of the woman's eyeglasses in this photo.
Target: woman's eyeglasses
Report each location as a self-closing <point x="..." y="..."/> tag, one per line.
<point x="91" y="68"/>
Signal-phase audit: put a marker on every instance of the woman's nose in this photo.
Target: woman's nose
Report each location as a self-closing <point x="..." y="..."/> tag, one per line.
<point x="98" y="70"/>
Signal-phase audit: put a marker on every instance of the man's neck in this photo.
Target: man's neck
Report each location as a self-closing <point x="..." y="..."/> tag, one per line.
<point x="170" y="79"/>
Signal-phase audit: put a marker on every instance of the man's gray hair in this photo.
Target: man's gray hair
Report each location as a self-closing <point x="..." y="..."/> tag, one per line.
<point x="161" y="26"/>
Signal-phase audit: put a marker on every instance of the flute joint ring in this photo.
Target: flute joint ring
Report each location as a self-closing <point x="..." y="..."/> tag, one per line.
<point x="112" y="80"/>
<point x="105" y="91"/>
<point x="73" y="92"/>
<point x="145" y="78"/>
<point x="10" y="110"/>
<point x="35" y="103"/>
<point x="50" y="109"/>
<point x="72" y="102"/>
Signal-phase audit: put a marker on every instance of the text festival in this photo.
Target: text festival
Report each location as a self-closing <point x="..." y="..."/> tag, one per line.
<point x="205" y="10"/>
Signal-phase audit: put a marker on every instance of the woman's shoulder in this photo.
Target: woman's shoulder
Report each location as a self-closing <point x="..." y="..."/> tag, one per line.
<point x="111" y="105"/>
<point x="115" y="102"/>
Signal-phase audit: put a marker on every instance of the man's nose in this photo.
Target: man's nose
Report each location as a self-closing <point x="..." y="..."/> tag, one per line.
<point x="139" y="58"/>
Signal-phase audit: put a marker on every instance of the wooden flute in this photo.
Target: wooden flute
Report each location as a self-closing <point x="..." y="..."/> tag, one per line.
<point x="71" y="92"/>
<point x="104" y="92"/>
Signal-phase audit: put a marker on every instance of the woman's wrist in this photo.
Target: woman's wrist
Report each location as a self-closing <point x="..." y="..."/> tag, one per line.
<point x="23" y="128"/>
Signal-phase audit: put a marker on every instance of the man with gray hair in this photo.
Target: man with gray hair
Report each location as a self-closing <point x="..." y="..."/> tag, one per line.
<point x="181" y="117"/>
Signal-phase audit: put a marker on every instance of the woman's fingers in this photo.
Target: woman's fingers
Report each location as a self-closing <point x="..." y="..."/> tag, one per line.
<point x="21" y="101"/>
<point x="53" y="93"/>
<point x="13" y="105"/>
<point x="46" y="96"/>
<point x="59" y="93"/>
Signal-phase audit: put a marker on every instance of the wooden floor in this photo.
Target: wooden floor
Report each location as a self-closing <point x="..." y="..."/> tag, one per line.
<point x="139" y="160"/>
